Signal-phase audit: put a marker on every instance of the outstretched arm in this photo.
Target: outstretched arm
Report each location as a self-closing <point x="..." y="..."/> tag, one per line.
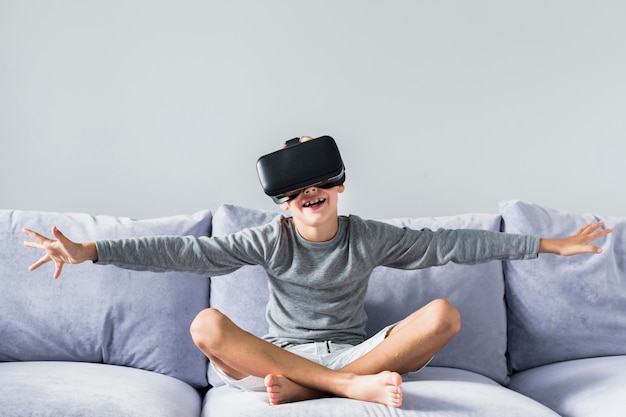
<point x="60" y="251"/>
<point x="577" y="243"/>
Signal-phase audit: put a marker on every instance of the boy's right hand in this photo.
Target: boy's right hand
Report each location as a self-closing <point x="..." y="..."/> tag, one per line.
<point x="61" y="251"/>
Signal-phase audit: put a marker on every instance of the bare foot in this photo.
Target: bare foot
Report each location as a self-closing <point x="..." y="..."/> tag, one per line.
<point x="384" y="388"/>
<point x="281" y="390"/>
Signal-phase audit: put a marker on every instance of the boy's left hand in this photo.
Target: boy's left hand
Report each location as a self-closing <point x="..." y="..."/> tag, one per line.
<point x="577" y="243"/>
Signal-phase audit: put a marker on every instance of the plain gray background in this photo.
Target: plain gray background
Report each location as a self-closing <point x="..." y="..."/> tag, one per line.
<point x="150" y="108"/>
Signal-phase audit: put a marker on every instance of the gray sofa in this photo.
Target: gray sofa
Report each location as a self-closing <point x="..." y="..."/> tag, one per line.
<point x="544" y="337"/>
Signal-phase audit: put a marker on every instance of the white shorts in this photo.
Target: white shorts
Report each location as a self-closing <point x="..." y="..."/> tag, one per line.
<point x="331" y="355"/>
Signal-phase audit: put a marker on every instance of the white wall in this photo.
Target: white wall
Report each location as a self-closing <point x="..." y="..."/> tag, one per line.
<point x="148" y="108"/>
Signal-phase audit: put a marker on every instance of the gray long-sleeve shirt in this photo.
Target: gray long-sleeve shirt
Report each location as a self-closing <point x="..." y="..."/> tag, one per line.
<point x="317" y="289"/>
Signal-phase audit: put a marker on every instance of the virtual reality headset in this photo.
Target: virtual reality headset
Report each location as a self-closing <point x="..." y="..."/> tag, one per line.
<point x="300" y="164"/>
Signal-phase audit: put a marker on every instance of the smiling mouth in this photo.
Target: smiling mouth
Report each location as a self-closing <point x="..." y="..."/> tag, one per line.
<point x="314" y="202"/>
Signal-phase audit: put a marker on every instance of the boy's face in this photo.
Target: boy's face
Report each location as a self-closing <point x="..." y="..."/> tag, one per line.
<point x="315" y="206"/>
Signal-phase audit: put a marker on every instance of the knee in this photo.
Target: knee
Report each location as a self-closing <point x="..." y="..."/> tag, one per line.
<point x="446" y="318"/>
<point x="208" y="328"/>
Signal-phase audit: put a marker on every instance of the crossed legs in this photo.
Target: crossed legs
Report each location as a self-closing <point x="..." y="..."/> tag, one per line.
<point x="374" y="377"/>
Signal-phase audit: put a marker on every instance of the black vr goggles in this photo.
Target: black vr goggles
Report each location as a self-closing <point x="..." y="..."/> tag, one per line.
<point x="299" y="165"/>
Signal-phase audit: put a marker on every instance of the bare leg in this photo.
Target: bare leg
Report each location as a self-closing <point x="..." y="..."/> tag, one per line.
<point x="239" y="354"/>
<point x="410" y="344"/>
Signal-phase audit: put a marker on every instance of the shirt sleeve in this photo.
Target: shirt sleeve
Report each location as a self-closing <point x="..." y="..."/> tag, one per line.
<point x="406" y="248"/>
<point x="202" y="255"/>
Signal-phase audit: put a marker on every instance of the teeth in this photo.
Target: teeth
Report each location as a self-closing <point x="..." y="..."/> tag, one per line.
<point x="311" y="203"/>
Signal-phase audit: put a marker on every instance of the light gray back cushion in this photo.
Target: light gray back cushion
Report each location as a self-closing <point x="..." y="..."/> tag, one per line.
<point x="95" y="313"/>
<point x="477" y="291"/>
<point x="563" y="308"/>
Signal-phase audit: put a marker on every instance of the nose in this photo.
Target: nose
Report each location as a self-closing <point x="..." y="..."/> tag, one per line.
<point x="310" y="190"/>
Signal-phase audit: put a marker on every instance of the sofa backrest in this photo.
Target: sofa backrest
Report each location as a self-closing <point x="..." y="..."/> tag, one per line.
<point x="564" y="308"/>
<point x="95" y="313"/>
<point x="476" y="290"/>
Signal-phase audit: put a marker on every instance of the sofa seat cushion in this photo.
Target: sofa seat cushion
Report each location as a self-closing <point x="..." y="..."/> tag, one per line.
<point x="73" y="389"/>
<point x="578" y="388"/>
<point x="564" y="308"/>
<point x="432" y="392"/>
<point x="477" y="291"/>
<point x="96" y="313"/>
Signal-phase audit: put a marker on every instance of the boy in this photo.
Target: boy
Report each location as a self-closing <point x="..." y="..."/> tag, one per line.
<point x="317" y="264"/>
